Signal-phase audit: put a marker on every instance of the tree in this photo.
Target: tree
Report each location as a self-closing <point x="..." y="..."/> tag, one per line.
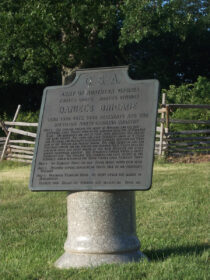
<point x="39" y="37"/>
<point x="146" y="18"/>
<point x="169" y="40"/>
<point x="165" y="39"/>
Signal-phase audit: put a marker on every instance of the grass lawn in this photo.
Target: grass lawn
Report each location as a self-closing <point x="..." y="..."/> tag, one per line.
<point x="172" y="225"/>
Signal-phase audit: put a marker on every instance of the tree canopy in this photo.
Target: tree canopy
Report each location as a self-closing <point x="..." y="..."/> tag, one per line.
<point x="168" y="40"/>
<point x="37" y="37"/>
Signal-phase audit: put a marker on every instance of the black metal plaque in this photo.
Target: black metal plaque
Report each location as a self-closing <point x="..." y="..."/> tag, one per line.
<point x="96" y="133"/>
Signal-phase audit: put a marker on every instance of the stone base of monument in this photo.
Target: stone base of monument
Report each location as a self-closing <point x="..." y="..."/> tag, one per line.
<point x="81" y="260"/>
<point x="101" y="229"/>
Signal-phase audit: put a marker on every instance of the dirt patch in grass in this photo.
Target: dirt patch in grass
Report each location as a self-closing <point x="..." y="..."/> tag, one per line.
<point x="190" y="159"/>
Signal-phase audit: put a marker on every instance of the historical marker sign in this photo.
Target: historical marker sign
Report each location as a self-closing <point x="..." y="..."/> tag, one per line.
<point x="96" y="133"/>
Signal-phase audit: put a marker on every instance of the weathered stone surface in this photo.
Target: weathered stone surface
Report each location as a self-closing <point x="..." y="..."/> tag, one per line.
<point x="101" y="229"/>
<point x="74" y="260"/>
<point x="97" y="133"/>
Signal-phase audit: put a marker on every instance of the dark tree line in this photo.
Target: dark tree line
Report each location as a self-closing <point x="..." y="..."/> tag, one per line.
<point x="39" y="40"/>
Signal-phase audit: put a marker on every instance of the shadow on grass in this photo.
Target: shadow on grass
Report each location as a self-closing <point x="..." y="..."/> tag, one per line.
<point x="162" y="254"/>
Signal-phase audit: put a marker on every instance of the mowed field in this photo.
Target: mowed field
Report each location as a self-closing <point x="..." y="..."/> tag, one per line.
<point x="173" y="225"/>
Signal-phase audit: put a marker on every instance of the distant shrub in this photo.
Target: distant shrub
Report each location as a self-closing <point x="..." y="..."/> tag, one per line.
<point x="31" y="117"/>
<point x="22" y="116"/>
<point x="197" y="93"/>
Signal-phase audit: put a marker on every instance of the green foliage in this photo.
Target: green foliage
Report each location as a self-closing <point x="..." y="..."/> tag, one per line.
<point x="145" y="18"/>
<point x="168" y="40"/>
<point x="4" y="116"/>
<point x="38" y="36"/>
<point x="197" y="93"/>
<point x="31" y="117"/>
<point x="22" y="116"/>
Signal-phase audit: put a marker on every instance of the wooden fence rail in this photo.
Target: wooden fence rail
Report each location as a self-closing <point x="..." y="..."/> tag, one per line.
<point x="17" y="145"/>
<point x="188" y="106"/>
<point x="187" y="141"/>
<point x="21" y="124"/>
<point x="22" y="132"/>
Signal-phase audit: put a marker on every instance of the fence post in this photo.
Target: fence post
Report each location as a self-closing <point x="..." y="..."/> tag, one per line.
<point x="2" y="124"/>
<point x="167" y="126"/>
<point x="9" y="133"/>
<point x="160" y="152"/>
<point x="167" y="117"/>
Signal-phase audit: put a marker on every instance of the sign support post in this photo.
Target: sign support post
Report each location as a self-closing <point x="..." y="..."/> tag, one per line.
<point x="101" y="229"/>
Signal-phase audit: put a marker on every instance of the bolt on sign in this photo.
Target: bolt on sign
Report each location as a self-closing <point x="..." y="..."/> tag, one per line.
<point x="97" y="133"/>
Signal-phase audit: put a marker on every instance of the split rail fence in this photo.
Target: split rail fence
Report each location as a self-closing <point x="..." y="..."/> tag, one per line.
<point x="18" y="143"/>
<point x="178" y="142"/>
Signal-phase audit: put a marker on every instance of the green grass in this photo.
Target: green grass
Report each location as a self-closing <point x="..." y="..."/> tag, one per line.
<point x="172" y="225"/>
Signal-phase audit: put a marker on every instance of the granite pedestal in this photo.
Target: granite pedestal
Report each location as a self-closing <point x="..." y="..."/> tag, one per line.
<point x="101" y="229"/>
